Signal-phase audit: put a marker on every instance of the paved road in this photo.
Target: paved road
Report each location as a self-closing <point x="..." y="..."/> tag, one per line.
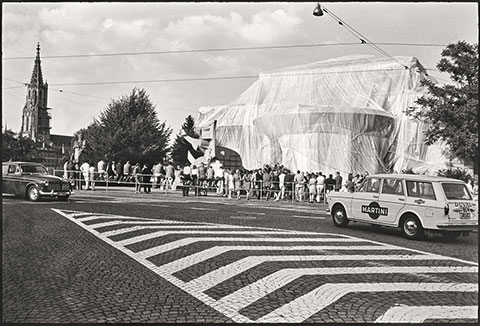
<point x="120" y="257"/>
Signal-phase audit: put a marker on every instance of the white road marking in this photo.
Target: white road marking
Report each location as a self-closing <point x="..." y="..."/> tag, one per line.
<point x="240" y="212"/>
<point x="313" y="217"/>
<point x="180" y="225"/>
<point x="418" y="314"/>
<point x="300" y="308"/>
<point x="196" y="258"/>
<point x="186" y="241"/>
<point x="223" y="273"/>
<point x="309" y="304"/>
<point x="144" y="237"/>
<point x="202" y="209"/>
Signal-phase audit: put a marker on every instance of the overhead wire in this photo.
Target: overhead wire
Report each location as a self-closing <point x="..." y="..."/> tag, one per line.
<point x="219" y="49"/>
<point x="363" y="39"/>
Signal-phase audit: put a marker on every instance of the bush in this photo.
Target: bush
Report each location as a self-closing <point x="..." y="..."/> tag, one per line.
<point x="457" y="173"/>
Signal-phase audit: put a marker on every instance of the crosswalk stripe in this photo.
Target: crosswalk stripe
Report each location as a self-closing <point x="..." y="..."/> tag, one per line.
<point x="186" y="241"/>
<point x="113" y="217"/>
<point x="144" y="237"/>
<point x="223" y="273"/>
<point x="307" y="305"/>
<point x="198" y="257"/>
<point x="179" y="226"/>
<point x="418" y="314"/>
<point x="252" y="292"/>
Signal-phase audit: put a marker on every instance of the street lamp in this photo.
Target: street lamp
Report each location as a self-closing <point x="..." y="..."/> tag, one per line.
<point x="318" y="10"/>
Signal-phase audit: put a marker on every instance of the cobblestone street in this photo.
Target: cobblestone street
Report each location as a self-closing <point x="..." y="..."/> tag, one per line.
<point x="75" y="262"/>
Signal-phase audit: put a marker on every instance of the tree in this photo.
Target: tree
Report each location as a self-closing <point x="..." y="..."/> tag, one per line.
<point x="16" y="148"/>
<point x="128" y="129"/>
<point x="451" y="110"/>
<point x="180" y="146"/>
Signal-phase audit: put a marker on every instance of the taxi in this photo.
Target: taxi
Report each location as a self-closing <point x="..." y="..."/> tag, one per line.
<point x="413" y="203"/>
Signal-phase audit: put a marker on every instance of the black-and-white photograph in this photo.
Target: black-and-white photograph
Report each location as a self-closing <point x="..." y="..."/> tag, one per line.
<point x="240" y="162"/>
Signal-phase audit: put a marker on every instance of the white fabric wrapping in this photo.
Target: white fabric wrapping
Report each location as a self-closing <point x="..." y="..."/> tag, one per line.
<point x="346" y="114"/>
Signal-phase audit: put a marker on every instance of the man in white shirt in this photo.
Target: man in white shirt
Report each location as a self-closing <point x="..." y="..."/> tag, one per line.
<point x="85" y="167"/>
<point x="320" y="186"/>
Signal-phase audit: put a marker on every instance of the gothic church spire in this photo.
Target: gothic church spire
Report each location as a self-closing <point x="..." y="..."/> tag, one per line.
<point x="37" y="78"/>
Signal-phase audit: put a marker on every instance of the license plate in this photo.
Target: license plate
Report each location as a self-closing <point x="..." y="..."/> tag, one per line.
<point x="464" y="215"/>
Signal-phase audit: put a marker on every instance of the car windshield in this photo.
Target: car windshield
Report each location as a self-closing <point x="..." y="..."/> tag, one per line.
<point x="33" y="169"/>
<point x="456" y="191"/>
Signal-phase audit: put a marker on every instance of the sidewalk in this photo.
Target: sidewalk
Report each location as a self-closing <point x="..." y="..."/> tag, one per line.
<point x="212" y="197"/>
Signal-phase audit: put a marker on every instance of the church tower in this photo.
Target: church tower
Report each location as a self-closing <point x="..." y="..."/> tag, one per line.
<point x="35" y="116"/>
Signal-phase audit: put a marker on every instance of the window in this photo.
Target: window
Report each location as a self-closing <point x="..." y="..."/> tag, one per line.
<point x="12" y="168"/>
<point x="456" y="191"/>
<point x="370" y="185"/>
<point x="393" y="187"/>
<point x="420" y="189"/>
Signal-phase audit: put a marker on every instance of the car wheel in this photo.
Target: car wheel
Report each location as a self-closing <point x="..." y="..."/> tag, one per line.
<point x="63" y="198"/>
<point x="412" y="228"/>
<point x="33" y="194"/>
<point x="450" y="235"/>
<point x="339" y="216"/>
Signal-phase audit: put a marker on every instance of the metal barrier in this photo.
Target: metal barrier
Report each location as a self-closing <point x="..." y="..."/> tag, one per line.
<point x="201" y="187"/>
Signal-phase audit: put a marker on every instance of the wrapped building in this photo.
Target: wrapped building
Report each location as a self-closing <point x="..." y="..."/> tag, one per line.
<point x="345" y="114"/>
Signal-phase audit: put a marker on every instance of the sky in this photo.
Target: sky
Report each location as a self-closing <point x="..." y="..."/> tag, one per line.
<point x="70" y="29"/>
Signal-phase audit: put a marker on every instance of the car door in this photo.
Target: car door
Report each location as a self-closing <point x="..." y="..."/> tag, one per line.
<point x="421" y="198"/>
<point x="392" y="197"/>
<point x="10" y="173"/>
<point x="365" y="200"/>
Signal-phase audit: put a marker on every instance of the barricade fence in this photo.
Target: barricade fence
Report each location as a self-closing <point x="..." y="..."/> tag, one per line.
<point x="287" y="191"/>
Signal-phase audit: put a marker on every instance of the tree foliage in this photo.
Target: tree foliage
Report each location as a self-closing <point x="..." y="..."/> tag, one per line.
<point x="460" y="174"/>
<point x="180" y="147"/>
<point x="128" y="129"/>
<point x="16" y="148"/>
<point x="451" y="109"/>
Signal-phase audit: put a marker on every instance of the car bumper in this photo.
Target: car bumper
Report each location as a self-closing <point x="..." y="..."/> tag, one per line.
<point x="53" y="193"/>
<point x="466" y="226"/>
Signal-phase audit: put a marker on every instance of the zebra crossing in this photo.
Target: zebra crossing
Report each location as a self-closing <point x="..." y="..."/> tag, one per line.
<point x="253" y="274"/>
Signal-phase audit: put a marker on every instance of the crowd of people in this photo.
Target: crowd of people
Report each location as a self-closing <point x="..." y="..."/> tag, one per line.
<point x="268" y="182"/>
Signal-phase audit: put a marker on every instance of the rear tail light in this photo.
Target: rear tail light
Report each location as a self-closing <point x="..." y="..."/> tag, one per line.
<point x="446" y="209"/>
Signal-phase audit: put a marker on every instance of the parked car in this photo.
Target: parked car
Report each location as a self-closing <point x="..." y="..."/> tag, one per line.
<point x="31" y="180"/>
<point x="414" y="203"/>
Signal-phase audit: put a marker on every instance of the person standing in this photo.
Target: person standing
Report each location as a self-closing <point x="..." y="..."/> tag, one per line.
<point x="70" y="169"/>
<point x="65" y="169"/>
<point x="267" y="182"/>
<point x="169" y="176"/>
<point x="237" y="180"/>
<point x="91" y="172"/>
<point x="146" y="176"/>
<point x="157" y="168"/>
<point x="126" y="171"/>
<point x="275" y="184"/>
<point x="137" y="175"/>
<point x="101" y="168"/>
<point x="338" y="181"/>
<point x="312" y="187"/>
<point x="85" y="167"/>
<point x="320" y="187"/>
<point x="289" y="182"/>
<point x="298" y="180"/>
<point x="281" y="185"/>
<point x="119" y="172"/>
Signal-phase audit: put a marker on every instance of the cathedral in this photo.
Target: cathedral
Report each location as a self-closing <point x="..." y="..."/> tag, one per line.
<point x="36" y="120"/>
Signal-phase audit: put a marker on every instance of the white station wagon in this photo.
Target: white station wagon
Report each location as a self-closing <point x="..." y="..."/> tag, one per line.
<point x="414" y="203"/>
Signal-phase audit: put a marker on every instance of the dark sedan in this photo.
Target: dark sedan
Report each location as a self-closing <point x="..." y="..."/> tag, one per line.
<point x="31" y="180"/>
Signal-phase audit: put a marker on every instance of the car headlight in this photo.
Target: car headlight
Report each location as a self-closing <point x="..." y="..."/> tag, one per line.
<point x="45" y="183"/>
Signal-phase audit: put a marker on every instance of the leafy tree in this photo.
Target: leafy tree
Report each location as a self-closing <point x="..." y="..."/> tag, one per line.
<point x="451" y="109"/>
<point x="460" y="174"/>
<point x="17" y="148"/>
<point x="180" y="147"/>
<point x="128" y="129"/>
